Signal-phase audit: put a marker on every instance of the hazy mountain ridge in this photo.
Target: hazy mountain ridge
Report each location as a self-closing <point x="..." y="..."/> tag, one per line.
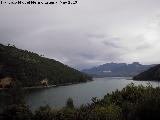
<point x="30" y="68"/>
<point x="117" y="69"/>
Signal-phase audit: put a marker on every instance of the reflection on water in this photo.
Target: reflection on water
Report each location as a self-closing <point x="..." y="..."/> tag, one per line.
<point x="80" y="93"/>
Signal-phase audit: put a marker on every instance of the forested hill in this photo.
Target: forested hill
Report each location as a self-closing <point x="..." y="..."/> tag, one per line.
<point x="30" y="69"/>
<point x="152" y="74"/>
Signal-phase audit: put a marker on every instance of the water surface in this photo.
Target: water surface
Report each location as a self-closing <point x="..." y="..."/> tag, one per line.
<point x="81" y="93"/>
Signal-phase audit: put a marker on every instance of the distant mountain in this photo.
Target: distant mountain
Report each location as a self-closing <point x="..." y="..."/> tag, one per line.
<point x="31" y="69"/>
<point x="151" y="74"/>
<point x="117" y="69"/>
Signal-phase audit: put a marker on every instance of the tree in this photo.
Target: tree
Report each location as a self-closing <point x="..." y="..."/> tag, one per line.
<point x="69" y="103"/>
<point x="44" y="113"/>
<point x="17" y="112"/>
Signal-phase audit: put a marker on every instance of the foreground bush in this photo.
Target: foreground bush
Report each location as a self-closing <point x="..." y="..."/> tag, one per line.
<point x="17" y="112"/>
<point x="131" y="103"/>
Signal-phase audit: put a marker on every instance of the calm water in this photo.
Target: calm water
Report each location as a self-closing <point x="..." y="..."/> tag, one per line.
<point x="80" y="93"/>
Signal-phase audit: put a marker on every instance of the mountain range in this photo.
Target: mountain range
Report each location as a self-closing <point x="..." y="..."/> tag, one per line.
<point x="117" y="70"/>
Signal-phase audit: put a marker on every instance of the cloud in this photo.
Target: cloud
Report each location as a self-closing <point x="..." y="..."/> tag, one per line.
<point x="111" y="44"/>
<point x="144" y="47"/>
<point x="98" y="36"/>
<point x="87" y="34"/>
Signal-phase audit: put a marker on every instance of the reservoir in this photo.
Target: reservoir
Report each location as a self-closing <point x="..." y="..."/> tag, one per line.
<point x="80" y="93"/>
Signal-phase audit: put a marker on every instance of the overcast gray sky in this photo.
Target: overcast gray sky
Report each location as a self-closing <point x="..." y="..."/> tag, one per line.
<point x="87" y="34"/>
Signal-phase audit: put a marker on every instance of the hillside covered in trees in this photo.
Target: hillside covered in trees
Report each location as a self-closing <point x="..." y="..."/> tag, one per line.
<point x="152" y="74"/>
<point x="29" y="69"/>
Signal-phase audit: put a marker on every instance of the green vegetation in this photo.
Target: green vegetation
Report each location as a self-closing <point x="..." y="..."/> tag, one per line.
<point x="30" y="69"/>
<point x="131" y="103"/>
<point x="69" y="103"/>
<point x="152" y="74"/>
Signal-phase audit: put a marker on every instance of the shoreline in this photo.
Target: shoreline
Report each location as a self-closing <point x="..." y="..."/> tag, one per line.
<point x="49" y="86"/>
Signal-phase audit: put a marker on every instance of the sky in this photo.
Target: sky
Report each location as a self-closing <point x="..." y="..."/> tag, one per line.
<point x="86" y="34"/>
